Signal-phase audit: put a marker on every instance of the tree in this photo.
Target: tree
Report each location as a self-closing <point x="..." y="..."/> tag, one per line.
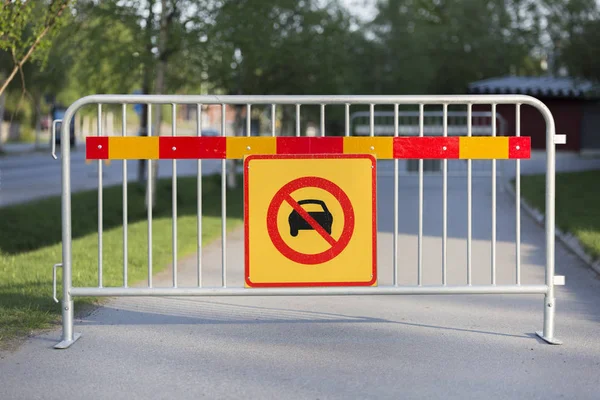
<point x="284" y="47"/>
<point x="144" y="37"/>
<point x="439" y="46"/>
<point x="574" y="37"/>
<point x="26" y="31"/>
<point x="581" y="52"/>
<point x="281" y="47"/>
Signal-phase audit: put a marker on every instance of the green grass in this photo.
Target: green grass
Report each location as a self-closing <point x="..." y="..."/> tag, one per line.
<point x="30" y="243"/>
<point x="577" y="204"/>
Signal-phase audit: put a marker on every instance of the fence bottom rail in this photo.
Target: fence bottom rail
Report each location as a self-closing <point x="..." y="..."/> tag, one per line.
<point x="308" y="291"/>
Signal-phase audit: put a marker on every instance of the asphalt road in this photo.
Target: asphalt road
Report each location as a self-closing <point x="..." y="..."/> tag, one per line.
<point x="451" y="347"/>
<point x="27" y="176"/>
<point x="36" y="175"/>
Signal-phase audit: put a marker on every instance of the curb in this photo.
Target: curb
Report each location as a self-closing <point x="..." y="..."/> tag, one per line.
<point x="567" y="238"/>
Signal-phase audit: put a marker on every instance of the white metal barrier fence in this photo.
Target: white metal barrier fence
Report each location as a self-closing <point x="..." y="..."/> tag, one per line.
<point x="547" y="288"/>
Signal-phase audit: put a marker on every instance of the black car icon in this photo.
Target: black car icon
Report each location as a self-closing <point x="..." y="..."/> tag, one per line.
<point x="323" y="218"/>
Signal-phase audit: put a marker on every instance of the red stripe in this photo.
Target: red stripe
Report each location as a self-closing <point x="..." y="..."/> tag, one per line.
<point x="326" y="145"/>
<point x="191" y="147"/>
<point x="310" y="145"/>
<point x="92" y="152"/>
<point x="426" y="147"/>
<point x="524" y="144"/>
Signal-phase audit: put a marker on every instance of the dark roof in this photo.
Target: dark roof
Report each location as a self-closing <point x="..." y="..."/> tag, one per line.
<point x="543" y="86"/>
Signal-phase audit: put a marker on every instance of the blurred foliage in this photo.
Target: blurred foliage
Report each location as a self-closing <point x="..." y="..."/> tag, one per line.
<point x="27" y="31"/>
<point x="22" y="23"/>
<point x="282" y="47"/>
<point x="580" y="49"/>
<point x="298" y="47"/>
<point x="439" y="46"/>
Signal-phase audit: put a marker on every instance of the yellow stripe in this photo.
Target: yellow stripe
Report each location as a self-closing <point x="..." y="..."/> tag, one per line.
<point x="133" y="148"/>
<point x="238" y="147"/>
<point x="483" y="147"/>
<point x="380" y="147"/>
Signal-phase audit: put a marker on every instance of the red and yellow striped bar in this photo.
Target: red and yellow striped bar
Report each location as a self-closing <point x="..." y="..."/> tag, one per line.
<point x="194" y="147"/>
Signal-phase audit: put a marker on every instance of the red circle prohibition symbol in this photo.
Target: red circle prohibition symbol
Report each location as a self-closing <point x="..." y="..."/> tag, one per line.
<point x="284" y="195"/>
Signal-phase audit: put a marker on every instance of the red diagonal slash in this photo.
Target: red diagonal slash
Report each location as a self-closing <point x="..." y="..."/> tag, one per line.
<point x="311" y="221"/>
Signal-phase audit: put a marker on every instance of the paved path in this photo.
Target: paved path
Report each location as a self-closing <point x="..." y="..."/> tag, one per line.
<point x="455" y="347"/>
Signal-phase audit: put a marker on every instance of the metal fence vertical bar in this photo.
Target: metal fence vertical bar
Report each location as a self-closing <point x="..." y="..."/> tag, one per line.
<point x="248" y="120"/>
<point x="100" y="206"/>
<point x="199" y="200"/>
<point x="322" y="119"/>
<point x="297" y="119"/>
<point x="395" y="247"/>
<point x="149" y="199"/>
<point x="420" y="235"/>
<point x="493" y="201"/>
<point x="125" y="202"/>
<point x="518" y="198"/>
<point x="372" y="119"/>
<point x="445" y="201"/>
<point x="223" y="207"/>
<point x="273" y="120"/>
<point x="347" y="119"/>
<point x="174" y="196"/>
<point x="469" y="198"/>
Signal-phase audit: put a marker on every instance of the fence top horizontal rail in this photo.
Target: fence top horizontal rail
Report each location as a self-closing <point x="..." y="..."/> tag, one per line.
<point x="307" y="99"/>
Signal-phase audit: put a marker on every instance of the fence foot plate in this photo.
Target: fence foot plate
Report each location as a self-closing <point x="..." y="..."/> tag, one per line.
<point x="65" y="344"/>
<point x="548" y="340"/>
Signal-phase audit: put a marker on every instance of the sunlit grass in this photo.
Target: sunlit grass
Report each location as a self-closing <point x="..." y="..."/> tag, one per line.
<point x="30" y="243"/>
<point x="577" y="204"/>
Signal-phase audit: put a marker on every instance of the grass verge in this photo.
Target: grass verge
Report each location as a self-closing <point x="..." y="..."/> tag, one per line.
<point x="30" y="243"/>
<point x="577" y="204"/>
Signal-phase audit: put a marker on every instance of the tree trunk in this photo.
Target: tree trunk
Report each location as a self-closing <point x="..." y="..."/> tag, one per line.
<point x="144" y="126"/>
<point x="38" y="119"/>
<point x="288" y="123"/>
<point x="159" y="89"/>
<point x="78" y="120"/>
<point x="146" y="87"/>
<point x="110" y="124"/>
<point x="2" y="102"/>
<point x="233" y="164"/>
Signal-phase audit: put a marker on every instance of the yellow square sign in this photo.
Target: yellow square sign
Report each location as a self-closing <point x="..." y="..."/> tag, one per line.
<point x="310" y="220"/>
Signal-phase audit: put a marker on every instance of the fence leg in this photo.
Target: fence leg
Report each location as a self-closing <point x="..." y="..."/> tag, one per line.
<point x="68" y="337"/>
<point x="549" y="310"/>
<point x="549" y="300"/>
